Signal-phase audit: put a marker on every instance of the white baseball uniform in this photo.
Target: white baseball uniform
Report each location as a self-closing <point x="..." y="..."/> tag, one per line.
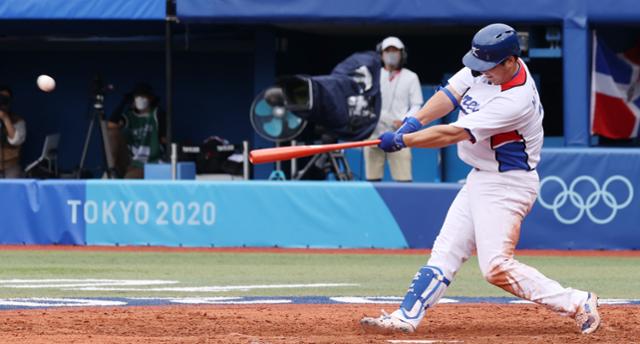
<point x="505" y="125"/>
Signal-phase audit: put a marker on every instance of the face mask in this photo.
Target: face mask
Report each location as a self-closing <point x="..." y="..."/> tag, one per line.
<point x="141" y="103"/>
<point x="391" y="59"/>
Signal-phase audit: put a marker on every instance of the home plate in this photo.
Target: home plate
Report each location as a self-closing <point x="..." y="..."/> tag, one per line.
<point x="422" y="341"/>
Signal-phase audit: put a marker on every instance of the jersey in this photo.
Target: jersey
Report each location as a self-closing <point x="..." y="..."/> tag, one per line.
<point x="504" y="121"/>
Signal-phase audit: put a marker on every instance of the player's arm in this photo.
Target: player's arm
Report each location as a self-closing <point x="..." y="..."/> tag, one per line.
<point x="439" y="105"/>
<point x="436" y="136"/>
<point x="446" y="99"/>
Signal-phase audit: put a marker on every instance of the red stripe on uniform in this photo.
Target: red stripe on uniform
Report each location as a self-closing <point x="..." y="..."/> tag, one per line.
<point x="518" y="80"/>
<point x="502" y="138"/>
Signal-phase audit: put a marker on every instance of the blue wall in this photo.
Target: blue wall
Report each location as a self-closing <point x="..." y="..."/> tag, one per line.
<point x="588" y="200"/>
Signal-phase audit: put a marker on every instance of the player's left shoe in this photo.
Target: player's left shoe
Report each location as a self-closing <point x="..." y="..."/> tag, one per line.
<point x="386" y="322"/>
<point x="587" y="317"/>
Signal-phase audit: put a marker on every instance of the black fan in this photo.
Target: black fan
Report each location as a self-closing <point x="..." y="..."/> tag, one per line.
<point x="271" y="119"/>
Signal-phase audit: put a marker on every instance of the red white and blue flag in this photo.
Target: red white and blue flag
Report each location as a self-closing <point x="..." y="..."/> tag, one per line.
<point x="615" y="92"/>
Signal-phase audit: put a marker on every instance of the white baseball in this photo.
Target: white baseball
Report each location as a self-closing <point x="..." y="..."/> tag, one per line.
<point x="46" y="83"/>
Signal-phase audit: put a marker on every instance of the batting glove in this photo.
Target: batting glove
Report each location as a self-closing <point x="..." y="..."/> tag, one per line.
<point x="409" y="125"/>
<point x="391" y="142"/>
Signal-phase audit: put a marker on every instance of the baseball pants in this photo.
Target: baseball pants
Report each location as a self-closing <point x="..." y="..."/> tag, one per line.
<point x="486" y="216"/>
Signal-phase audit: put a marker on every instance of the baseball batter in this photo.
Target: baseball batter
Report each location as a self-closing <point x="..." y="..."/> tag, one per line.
<point x="499" y="133"/>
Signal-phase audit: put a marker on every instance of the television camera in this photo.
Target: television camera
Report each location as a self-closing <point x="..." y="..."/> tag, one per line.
<point x="343" y="105"/>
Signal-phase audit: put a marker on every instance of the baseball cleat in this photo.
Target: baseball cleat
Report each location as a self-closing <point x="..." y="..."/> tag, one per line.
<point x="587" y="317"/>
<point x="386" y="322"/>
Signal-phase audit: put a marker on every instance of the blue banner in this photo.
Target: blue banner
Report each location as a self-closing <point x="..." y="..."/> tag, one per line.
<point x="36" y="212"/>
<point x="484" y="11"/>
<point x="588" y="200"/>
<point x="83" y="9"/>
<point x="419" y="209"/>
<point x="287" y="214"/>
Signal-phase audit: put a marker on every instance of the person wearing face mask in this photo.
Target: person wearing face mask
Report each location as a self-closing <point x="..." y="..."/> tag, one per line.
<point x="401" y="97"/>
<point x="140" y="124"/>
<point x="13" y="131"/>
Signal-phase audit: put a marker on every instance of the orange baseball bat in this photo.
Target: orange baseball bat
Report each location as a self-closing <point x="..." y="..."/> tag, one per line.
<point x="260" y="156"/>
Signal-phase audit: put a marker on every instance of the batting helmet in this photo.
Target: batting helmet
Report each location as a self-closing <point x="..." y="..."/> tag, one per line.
<point x="490" y="46"/>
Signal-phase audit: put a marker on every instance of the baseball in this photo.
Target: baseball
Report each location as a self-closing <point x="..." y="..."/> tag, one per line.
<point x="46" y="83"/>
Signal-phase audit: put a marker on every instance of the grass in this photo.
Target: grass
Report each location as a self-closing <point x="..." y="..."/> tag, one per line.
<point x="376" y="275"/>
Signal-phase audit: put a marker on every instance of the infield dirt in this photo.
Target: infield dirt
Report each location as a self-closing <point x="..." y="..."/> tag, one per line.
<point x="476" y="323"/>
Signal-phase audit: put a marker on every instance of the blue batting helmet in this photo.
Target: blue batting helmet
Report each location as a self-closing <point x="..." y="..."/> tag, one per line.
<point x="490" y="46"/>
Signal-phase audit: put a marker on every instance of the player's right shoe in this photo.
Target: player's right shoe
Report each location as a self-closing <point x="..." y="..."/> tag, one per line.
<point x="386" y="323"/>
<point x="587" y="316"/>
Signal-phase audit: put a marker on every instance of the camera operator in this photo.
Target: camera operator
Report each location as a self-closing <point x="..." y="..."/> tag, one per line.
<point x="12" y="134"/>
<point x="141" y="133"/>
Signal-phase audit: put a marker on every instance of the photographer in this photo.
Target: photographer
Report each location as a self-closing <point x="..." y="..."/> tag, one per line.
<point x="137" y="132"/>
<point x="12" y="134"/>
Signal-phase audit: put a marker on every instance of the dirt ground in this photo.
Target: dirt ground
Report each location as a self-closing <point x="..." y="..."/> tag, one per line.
<point x="261" y="324"/>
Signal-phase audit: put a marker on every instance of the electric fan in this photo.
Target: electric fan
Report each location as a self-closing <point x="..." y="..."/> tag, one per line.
<point x="272" y="120"/>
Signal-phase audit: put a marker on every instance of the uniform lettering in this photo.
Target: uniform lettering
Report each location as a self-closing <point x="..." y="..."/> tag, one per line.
<point x="469" y="104"/>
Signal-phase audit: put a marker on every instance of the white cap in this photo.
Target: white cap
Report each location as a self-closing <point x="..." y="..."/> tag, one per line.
<point x="392" y="41"/>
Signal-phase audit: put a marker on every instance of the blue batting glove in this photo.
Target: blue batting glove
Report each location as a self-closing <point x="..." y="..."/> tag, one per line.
<point x="409" y="125"/>
<point x="391" y="142"/>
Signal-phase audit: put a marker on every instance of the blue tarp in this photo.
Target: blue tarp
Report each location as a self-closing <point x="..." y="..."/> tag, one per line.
<point x="82" y="9"/>
<point x="452" y="12"/>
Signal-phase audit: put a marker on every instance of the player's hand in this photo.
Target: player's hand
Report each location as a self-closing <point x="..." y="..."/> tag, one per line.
<point x="409" y="125"/>
<point x="391" y="142"/>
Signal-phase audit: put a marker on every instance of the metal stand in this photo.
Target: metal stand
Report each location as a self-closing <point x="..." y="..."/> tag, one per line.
<point x="277" y="174"/>
<point x="294" y="161"/>
<point x="98" y="116"/>
<point x="337" y="164"/>
<point x="174" y="161"/>
<point x="245" y="160"/>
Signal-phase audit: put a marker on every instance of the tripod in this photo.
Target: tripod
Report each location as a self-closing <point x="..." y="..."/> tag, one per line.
<point x="97" y="116"/>
<point x="334" y="161"/>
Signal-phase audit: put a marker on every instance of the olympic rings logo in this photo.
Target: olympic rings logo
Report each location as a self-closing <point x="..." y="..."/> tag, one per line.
<point x="583" y="205"/>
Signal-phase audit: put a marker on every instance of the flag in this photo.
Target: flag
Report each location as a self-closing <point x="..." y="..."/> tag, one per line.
<point x="615" y="91"/>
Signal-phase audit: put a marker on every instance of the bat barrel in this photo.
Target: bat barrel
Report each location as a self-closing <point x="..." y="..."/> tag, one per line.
<point x="260" y="156"/>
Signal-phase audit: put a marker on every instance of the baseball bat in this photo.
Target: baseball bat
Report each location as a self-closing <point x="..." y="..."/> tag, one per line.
<point x="260" y="156"/>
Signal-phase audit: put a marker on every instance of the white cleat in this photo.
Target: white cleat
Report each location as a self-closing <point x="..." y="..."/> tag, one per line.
<point x="587" y="316"/>
<point x="388" y="323"/>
